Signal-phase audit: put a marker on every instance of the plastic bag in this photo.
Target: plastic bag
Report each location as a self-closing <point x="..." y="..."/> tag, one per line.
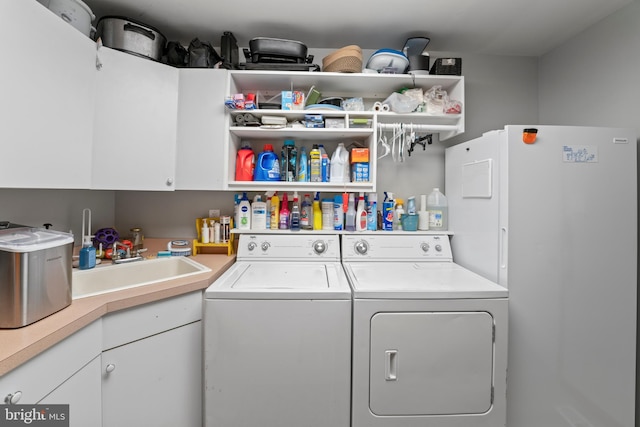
<point x="399" y="103"/>
<point x="436" y="100"/>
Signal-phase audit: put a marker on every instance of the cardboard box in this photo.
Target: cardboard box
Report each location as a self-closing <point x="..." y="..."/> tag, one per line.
<point x="292" y="100"/>
<point x="360" y="172"/>
<point x="359" y="155"/>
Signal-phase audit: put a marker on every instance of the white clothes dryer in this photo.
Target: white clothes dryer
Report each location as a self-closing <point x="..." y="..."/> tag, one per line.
<point x="429" y="336"/>
<point x="277" y="335"/>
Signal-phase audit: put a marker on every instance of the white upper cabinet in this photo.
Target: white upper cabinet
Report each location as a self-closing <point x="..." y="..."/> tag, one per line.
<point x="46" y="102"/>
<point x="202" y="129"/>
<point x="134" y="131"/>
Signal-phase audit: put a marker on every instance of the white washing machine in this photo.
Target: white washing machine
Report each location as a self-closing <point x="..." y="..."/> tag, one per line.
<point x="429" y="336"/>
<point x="277" y="335"/>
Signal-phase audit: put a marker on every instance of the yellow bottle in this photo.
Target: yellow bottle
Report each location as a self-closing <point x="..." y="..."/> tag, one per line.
<point x="275" y="211"/>
<point x="317" y="213"/>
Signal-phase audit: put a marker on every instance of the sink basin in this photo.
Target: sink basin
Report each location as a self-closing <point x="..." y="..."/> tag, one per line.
<point x="111" y="278"/>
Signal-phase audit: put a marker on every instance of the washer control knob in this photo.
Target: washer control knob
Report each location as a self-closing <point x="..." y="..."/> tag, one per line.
<point x="424" y="247"/>
<point x="13" y="398"/>
<point x="251" y="246"/>
<point x="319" y="247"/>
<point x="264" y="246"/>
<point x="361" y="247"/>
<point x="438" y="248"/>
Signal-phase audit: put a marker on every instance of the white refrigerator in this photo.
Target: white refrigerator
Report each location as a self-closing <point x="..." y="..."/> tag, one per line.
<point x="555" y="221"/>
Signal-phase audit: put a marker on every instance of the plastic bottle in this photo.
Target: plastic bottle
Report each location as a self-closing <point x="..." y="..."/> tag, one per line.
<point x="325" y="164"/>
<point x="275" y="212"/>
<point x="245" y="164"/>
<point x="306" y="213"/>
<point x="338" y="213"/>
<point x="361" y="214"/>
<point x="295" y="213"/>
<point x="303" y="173"/>
<point x="288" y="161"/>
<point x="350" y="221"/>
<point x="204" y="232"/>
<point x="438" y="210"/>
<point x="372" y="212"/>
<point x="387" y="211"/>
<point x="340" y="164"/>
<point x="236" y="202"/>
<point x="267" y="167"/>
<point x="411" y="206"/>
<point x="327" y="214"/>
<point x="284" y="213"/>
<point x="317" y="213"/>
<point x="216" y="232"/>
<point x="259" y="215"/>
<point x="315" y="164"/>
<point x="244" y="213"/>
<point x="87" y="254"/>
<point x="397" y="216"/>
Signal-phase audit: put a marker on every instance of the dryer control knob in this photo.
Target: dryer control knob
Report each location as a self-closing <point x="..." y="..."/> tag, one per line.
<point x="264" y="246"/>
<point x="251" y="246"/>
<point x="424" y="247"/>
<point x="361" y="247"/>
<point x="319" y="247"/>
<point x="438" y="248"/>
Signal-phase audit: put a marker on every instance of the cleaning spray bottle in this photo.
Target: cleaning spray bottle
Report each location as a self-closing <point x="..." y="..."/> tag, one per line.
<point x="350" y="222"/>
<point x="361" y="214"/>
<point x="372" y="212"/>
<point x="295" y="213"/>
<point x="317" y="213"/>
<point x="387" y="211"/>
<point x="284" y="213"/>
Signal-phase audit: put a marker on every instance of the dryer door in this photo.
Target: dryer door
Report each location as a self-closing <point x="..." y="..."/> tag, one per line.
<point x="431" y="363"/>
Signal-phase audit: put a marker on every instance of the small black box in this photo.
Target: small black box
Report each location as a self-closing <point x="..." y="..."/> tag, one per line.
<point x="447" y="67"/>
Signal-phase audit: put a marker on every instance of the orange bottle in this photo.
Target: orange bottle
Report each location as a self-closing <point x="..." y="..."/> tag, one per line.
<point x="245" y="164"/>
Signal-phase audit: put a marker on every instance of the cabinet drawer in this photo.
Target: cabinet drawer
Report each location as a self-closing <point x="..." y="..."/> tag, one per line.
<point x="42" y="374"/>
<point x="140" y="322"/>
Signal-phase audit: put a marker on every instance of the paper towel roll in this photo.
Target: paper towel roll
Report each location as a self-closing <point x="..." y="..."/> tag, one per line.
<point x="423" y="220"/>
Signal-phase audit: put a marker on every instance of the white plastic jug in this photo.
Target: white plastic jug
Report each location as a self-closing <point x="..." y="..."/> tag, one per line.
<point x="340" y="165"/>
<point x="438" y="209"/>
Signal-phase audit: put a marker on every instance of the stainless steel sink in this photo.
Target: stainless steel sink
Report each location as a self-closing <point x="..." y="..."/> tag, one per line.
<point x="111" y="278"/>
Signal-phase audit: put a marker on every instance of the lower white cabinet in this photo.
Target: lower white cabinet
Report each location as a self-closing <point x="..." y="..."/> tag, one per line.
<point x="82" y="393"/>
<point x="67" y="373"/>
<point x="155" y="381"/>
<point x="137" y="367"/>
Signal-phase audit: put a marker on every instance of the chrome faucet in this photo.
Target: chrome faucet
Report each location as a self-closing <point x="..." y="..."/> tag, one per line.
<point x="119" y="259"/>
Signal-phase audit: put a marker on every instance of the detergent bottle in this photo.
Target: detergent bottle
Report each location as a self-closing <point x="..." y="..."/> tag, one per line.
<point x="361" y="214"/>
<point x="245" y="164"/>
<point x="267" y="167"/>
<point x="274" y="214"/>
<point x="303" y="173"/>
<point x="340" y="165"/>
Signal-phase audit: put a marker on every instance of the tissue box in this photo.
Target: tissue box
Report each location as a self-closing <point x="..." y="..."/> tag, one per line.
<point x="360" y="172"/>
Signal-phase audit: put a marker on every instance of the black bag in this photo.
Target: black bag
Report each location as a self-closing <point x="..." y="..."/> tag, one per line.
<point x="202" y="55"/>
<point x="229" y="51"/>
<point x="177" y="55"/>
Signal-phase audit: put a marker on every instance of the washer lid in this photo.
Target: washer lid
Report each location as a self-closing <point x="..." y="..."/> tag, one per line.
<point x="426" y="280"/>
<point x="281" y="280"/>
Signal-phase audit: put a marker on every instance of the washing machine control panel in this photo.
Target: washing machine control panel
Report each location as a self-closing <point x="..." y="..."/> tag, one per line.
<point x="405" y="247"/>
<point x="289" y="247"/>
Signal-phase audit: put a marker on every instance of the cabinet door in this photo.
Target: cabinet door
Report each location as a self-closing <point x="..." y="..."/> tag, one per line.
<point x="156" y="381"/>
<point x="202" y="129"/>
<point x="135" y="123"/>
<point x="82" y="393"/>
<point x="47" y="82"/>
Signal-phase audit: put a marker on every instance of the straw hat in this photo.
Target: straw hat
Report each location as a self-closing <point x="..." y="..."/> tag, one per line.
<point x="344" y="60"/>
